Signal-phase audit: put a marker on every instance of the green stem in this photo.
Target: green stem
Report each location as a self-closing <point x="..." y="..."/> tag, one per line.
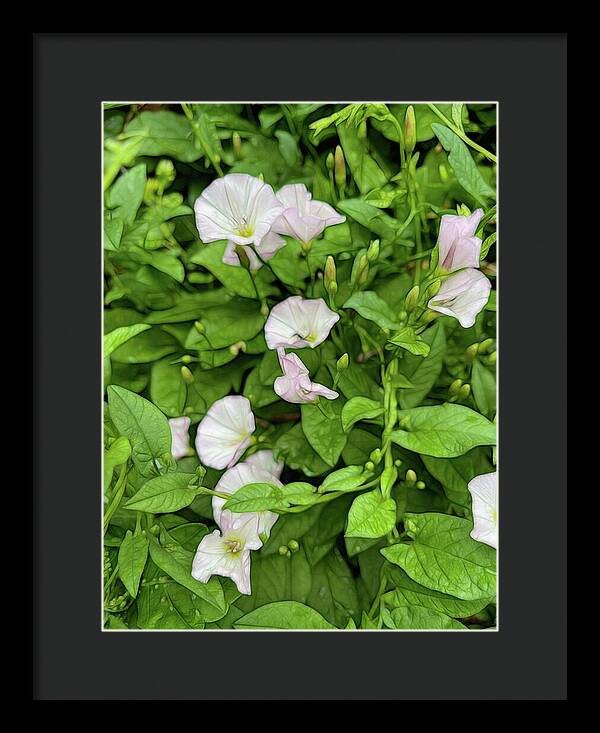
<point x="117" y="495"/>
<point x="457" y="131"/>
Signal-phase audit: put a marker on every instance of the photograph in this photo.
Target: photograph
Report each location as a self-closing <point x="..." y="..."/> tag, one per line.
<point x="298" y="382"/>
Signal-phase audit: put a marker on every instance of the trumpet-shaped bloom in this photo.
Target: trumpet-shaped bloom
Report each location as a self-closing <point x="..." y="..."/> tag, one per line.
<point x="224" y="432"/>
<point x="180" y="438"/>
<point x="227" y="552"/>
<point x="266" y="460"/>
<point x="268" y="247"/>
<point x="298" y="322"/>
<point x="462" y="296"/>
<point x="295" y="385"/>
<point x="232" y="480"/>
<point x="457" y="243"/>
<point x="237" y="207"/>
<point x="484" y="501"/>
<point x="303" y="218"/>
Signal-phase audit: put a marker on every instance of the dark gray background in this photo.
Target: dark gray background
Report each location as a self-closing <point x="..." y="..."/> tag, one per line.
<point x="526" y="658"/>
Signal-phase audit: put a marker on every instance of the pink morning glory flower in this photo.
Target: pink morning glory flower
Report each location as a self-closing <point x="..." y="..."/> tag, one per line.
<point x="180" y="439"/>
<point x="457" y="243"/>
<point x="298" y="322"/>
<point x="237" y="207"/>
<point x="225" y="431"/>
<point x="303" y="218"/>
<point x="295" y="385"/>
<point x="266" y="460"/>
<point x="484" y="501"/>
<point x="462" y="296"/>
<point x="227" y="553"/>
<point x="232" y="480"/>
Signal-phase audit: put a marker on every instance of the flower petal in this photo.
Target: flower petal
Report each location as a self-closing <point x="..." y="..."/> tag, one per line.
<point x="484" y="496"/>
<point x="224" y="432"/>
<point x="265" y="459"/>
<point x="298" y="322"/>
<point x="180" y="439"/>
<point x="462" y="296"/>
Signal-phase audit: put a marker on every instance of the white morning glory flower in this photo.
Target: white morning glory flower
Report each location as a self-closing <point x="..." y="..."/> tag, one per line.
<point x="484" y="503"/>
<point x="265" y="459"/>
<point x="462" y="295"/>
<point x="227" y="553"/>
<point x="303" y="218"/>
<point x="298" y="322"/>
<point x="232" y="480"/>
<point x="224" y="432"/>
<point x="269" y="246"/>
<point x="180" y="438"/>
<point x="237" y="207"/>
<point x="457" y="243"/>
<point x="295" y="385"/>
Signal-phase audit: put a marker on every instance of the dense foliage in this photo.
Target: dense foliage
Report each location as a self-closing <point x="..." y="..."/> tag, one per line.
<point x="374" y="515"/>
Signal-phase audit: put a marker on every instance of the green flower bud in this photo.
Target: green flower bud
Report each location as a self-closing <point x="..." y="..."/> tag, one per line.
<point x="464" y="391"/>
<point x="332" y="289"/>
<point x="420" y="485"/>
<point x="264" y="310"/>
<point x="434" y="288"/>
<point x="330" y="162"/>
<point x="369" y="466"/>
<point x="443" y="171"/>
<point x="411" y="476"/>
<point x="150" y="191"/>
<point x="373" y="251"/>
<point x="375" y="455"/>
<point x="404" y="423"/>
<point x="283" y="550"/>
<point x="362" y="130"/>
<point x="471" y="351"/>
<point x="340" y="167"/>
<point x="242" y="256"/>
<point x="455" y="386"/>
<point x="342" y="362"/>
<point x="237" y="145"/>
<point x="199" y="326"/>
<point x="363" y="270"/>
<point x="330" y="272"/>
<point x="411" y="300"/>
<point x="397" y="463"/>
<point x="293" y="545"/>
<point x="165" y="170"/>
<point x="187" y="375"/>
<point x="187" y="359"/>
<point x="155" y="529"/>
<point x="403" y="315"/>
<point x="410" y="129"/>
<point x="492" y="358"/>
<point x="463" y="210"/>
<point x="431" y="316"/>
<point x="172" y="200"/>
<point x="237" y="347"/>
<point x="484" y="346"/>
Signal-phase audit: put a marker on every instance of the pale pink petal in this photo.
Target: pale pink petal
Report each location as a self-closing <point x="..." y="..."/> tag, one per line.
<point x="224" y="433"/>
<point x="298" y="322"/>
<point x="208" y="557"/>
<point x="270" y="244"/>
<point x="484" y="496"/>
<point x="462" y="296"/>
<point x="180" y="438"/>
<point x="230" y="256"/>
<point x="295" y="385"/>
<point x="303" y="218"/>
<point x="266" y="460"/>
<point x="236" y="207"/>
<point x="458" y="246"/>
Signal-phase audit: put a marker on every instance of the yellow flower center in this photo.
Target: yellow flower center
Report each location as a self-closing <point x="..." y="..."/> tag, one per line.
<point x="245" y="229"/>
<point x="233" y="545"/>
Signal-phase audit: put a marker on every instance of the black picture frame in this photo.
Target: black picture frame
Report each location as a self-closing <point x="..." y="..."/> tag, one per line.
<point x="72" y="658"/>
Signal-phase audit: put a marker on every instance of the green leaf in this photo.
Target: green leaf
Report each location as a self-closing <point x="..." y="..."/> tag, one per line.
<point x="371" y="217"/>
<point x="133" y="553"/>
<point x="296" y="451"/>
<point x="127" y="193"/>
<point x="333" y="590"/>
<point x="371" y="516"/>
<point x="483" y="384"/>
<point x="360" y="408"/>
<point x="119" y="336"/>
<point x="283" y="615"/>
<point x="345" y="479"/>
<point x="164" y="494"/>
<point x="464" y="167"/>
<point x="423" y="371"/>
<point x="167" y="388"/>
<point x="163" y="133"/>
<point x="370" y="306"/>
<point x="112" y="232"/>
<point x="443" y="557"/>
<point x="407" y="339"/>
<point x="444" y="431"/>
<point x="143" y="423"/>
<point x="455" y="473"/>
<point x="146" y="347"/>
<point x="365" y="170"/>
<point x="262" y="497"/>
<point x="325" y="434"/>
<point x="115" y="456"/>
<point x="176" y="562"/>
<point x="418" y="618"/>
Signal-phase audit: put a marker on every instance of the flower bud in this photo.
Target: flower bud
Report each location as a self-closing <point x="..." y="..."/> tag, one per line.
<point x="375" y="455"/>
<point x="434" y="288"/>
<point x="293" y="545"/>
<point x="397" y="463"/>
<point x="187" y="359"/>
<point x="403" y="315"/>
<point x="455" y="386"/>
<point x="330" y="272"/>
<point x="404" y="423"/>
<point x="199" y="326"/>
<point x="463" y="210"/>
<point x="410" y="129"/>
<point x="471" y="351"/>
<point x="443" y="171"/>
<point x="464" y="391"/>
<point x="369" y="466"/>
<point x="283" y="550"/>
<point x="187" y="375"/>
<point x="237" y="145"/>
<point x="420" y="485"/>
<point x="340" y="167"/>
<point x="242" y="256"/>
<point x="362" y="130"/>
<point x="165" y="172"/>
<point x="412" y="298"/>
<point x="342" y="362"/>
<point x="492" y="358"/>
<point x="431" y="316"/>
<point x="484" y="346"/>
<point x="154" y="529"/>
<point x="411" y="476"/>
<point x="330" y="162"/>
<point x="237" y="347"/>
<point x="373" y="251"/>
